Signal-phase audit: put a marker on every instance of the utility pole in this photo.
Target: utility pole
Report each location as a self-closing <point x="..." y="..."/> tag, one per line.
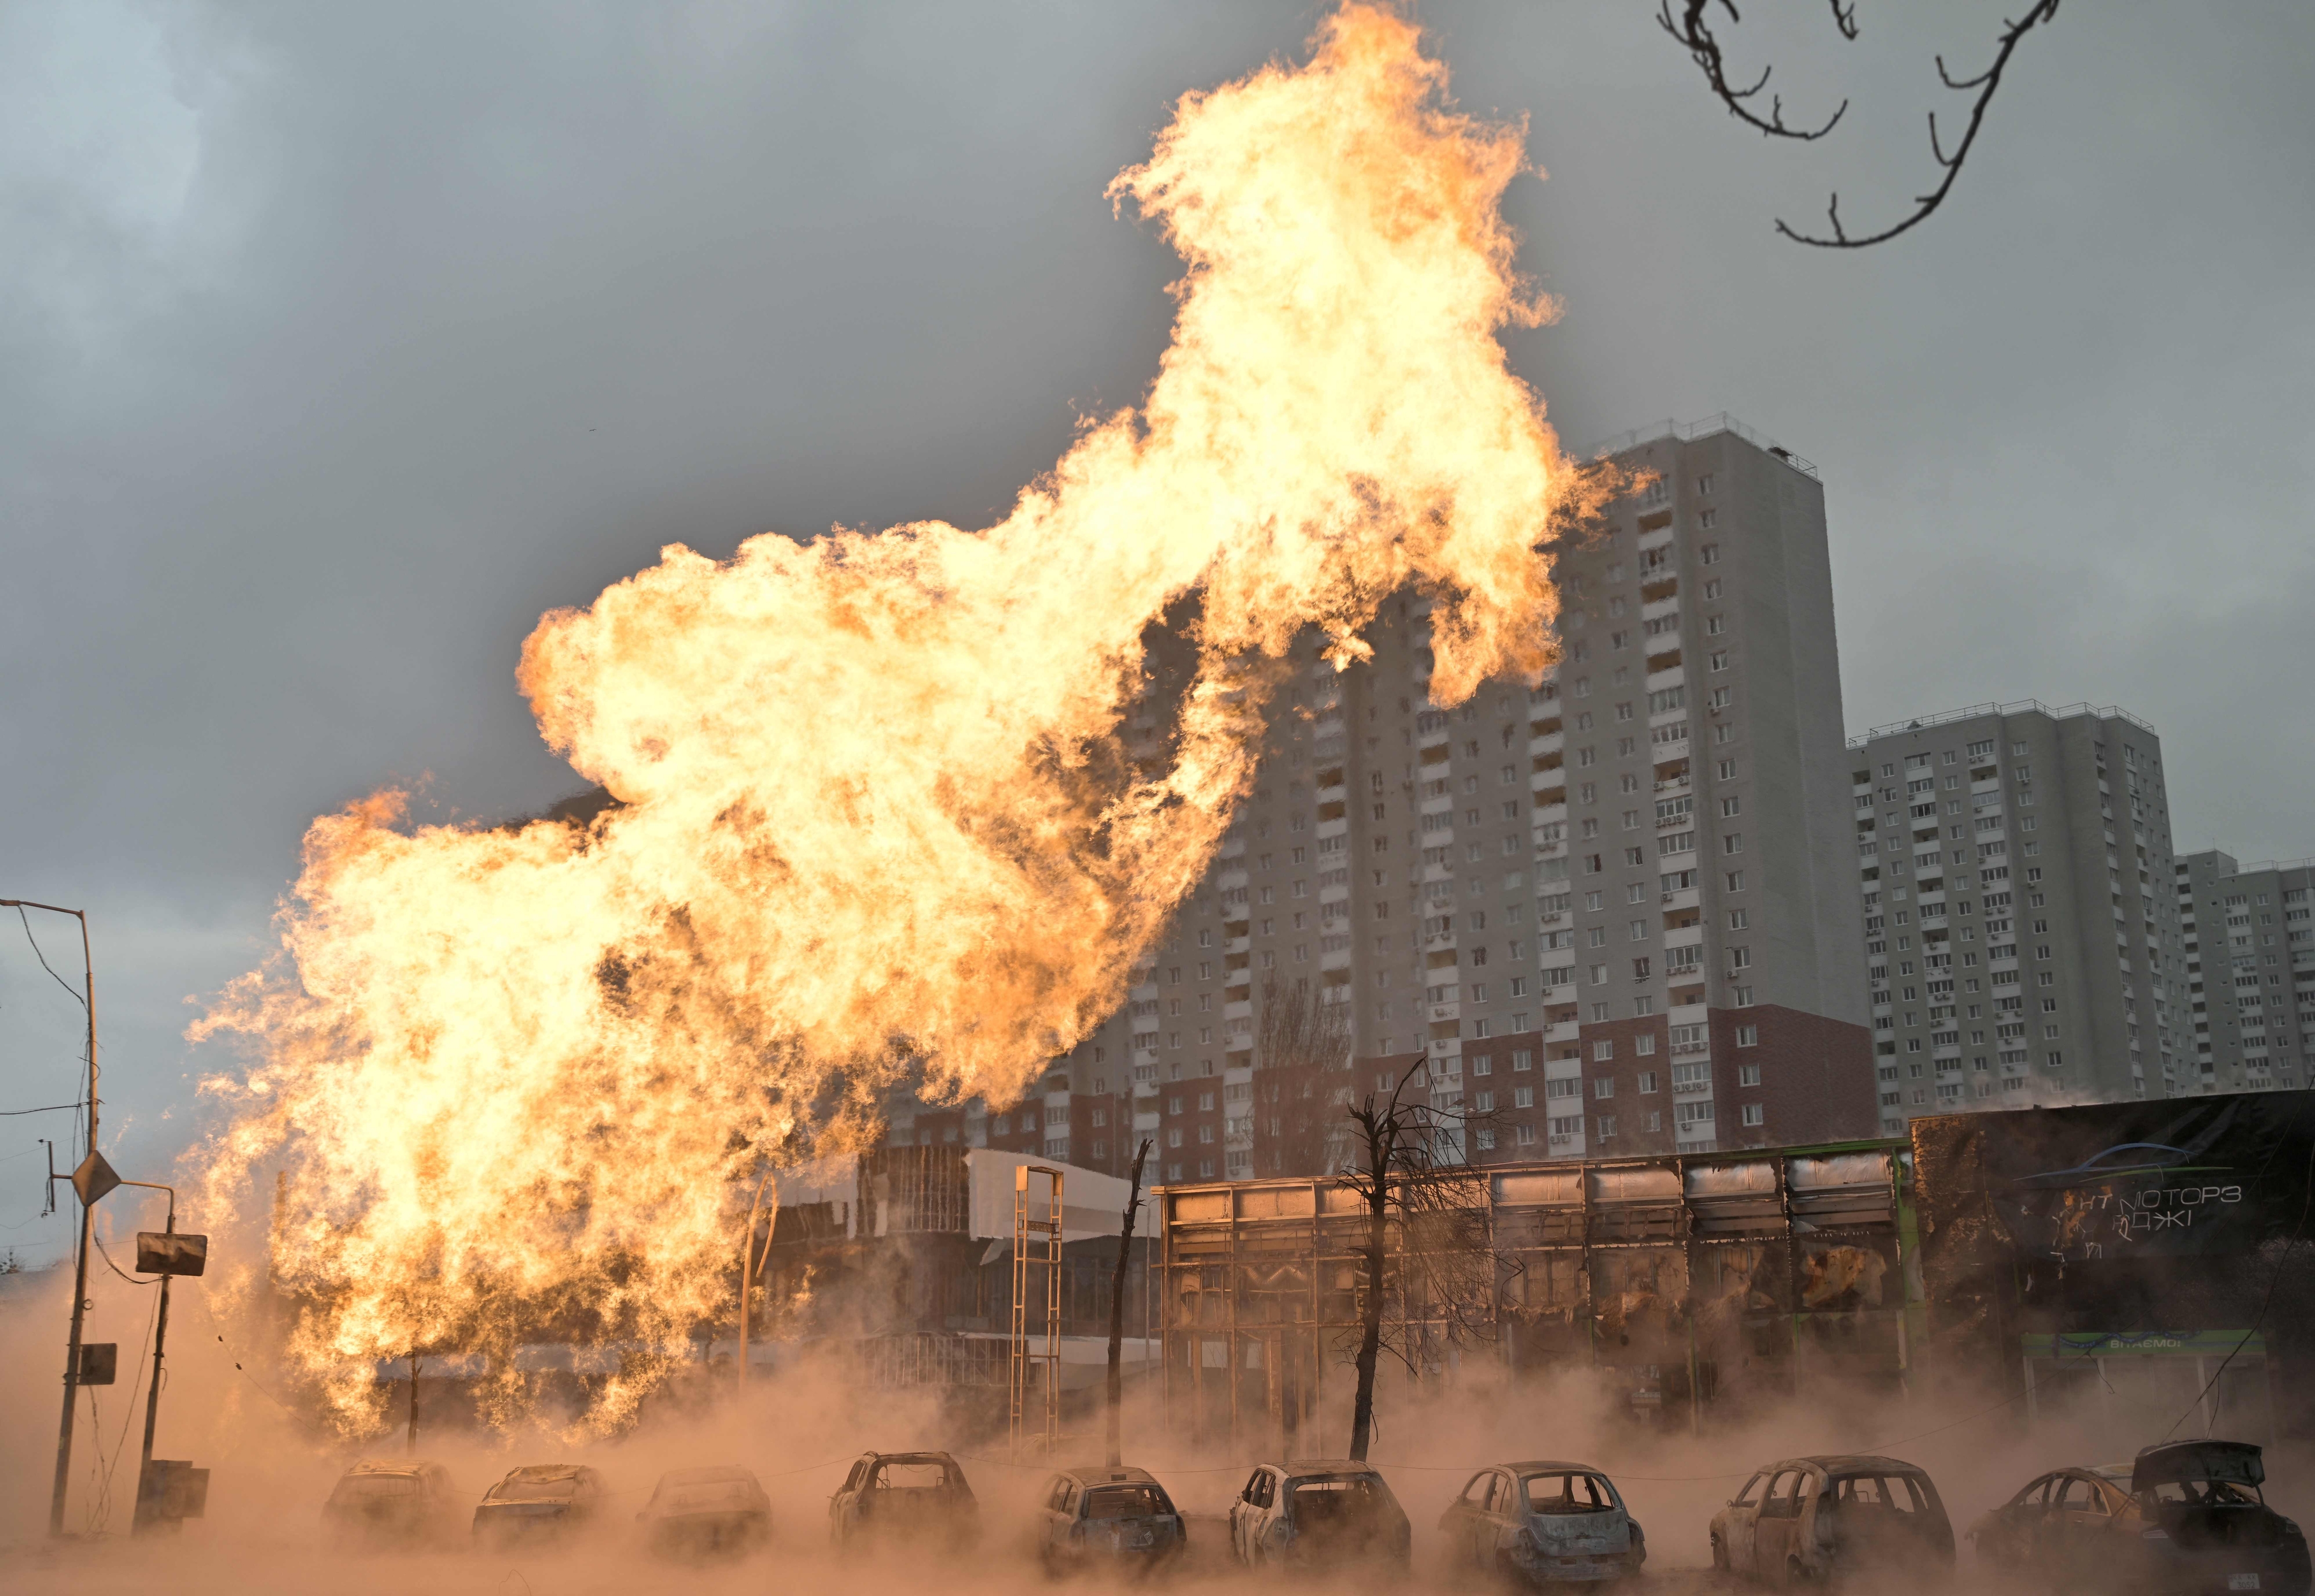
<point x="1117" y="1313"/>
<point x="751" y="1262"/>
<point x="97" y="1183"/>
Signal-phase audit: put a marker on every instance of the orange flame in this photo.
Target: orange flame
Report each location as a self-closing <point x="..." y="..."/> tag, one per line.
<point x="877" y="813"/>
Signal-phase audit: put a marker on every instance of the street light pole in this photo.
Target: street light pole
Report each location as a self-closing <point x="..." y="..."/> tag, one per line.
<point x="80" y="1259"/>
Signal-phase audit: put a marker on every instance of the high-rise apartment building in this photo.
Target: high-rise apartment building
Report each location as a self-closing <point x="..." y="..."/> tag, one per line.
<point x="2250" y="970"/>
<point x="1612" y="912"/>
<point x="2021" y="943"/>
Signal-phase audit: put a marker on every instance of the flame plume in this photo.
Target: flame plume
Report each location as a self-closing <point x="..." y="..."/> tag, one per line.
<point x="876" y="812"/>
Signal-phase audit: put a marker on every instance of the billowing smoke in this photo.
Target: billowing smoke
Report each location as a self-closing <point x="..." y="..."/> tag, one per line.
<point x="879" y="805"/>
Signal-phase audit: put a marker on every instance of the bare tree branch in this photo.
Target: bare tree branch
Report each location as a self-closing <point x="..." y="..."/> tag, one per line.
<point x="1696" y="34"/>
<point x="1987" y="83"/>
<point x="1693" y="30"/>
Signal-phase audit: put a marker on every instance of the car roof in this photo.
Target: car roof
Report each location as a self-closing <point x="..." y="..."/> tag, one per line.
<point x="1545" y="1466"/>
<point x="909" y="1458"/>
<point x="1126" y="1474"/>
<point x="548" y="1471"/>
<point x="1850" y="1463"/>
<point x="1326" y="1465"/>
<point x="710" y="1476"/>
<point x="393" y="1466"/>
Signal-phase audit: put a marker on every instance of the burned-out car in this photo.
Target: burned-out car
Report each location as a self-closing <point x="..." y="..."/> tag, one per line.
<point x="1542" y="1523"/>
<point x="1107" y="1516"/>
<point x="904" y="1496"/>
<point x="701" y="1513"/>
<point x="540" y="1502"/>
<point x="2187" y="1517"/>
<point x="1807" y="1519"/>
<point x="399" y="1502"/>
<point x="1318" y="1512"/>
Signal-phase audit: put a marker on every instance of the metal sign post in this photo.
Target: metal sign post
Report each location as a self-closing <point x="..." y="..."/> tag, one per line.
<point x="167" y="1254"/>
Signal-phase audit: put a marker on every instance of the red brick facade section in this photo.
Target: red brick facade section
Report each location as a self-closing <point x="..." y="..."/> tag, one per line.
<point x="1816" y="1079"/>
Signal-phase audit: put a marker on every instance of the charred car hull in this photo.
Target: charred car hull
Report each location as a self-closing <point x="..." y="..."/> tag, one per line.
<point x="519" y="1523"/>
<point x="1128" y="1546"/>
<point x="1588" y="1558"/>
<point x="705" y="1536"/>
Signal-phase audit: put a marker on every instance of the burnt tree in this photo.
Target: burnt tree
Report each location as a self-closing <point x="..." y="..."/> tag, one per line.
<point x="1410" y="1175"/>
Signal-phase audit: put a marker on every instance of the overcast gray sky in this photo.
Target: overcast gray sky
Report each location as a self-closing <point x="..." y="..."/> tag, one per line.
<point x="337" y="343"/>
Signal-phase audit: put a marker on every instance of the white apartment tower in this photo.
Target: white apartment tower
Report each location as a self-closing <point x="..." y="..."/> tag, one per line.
<point x="2022" y="936"/>
<point x="2250" y="970"/>
<point x="1614" y="911"/>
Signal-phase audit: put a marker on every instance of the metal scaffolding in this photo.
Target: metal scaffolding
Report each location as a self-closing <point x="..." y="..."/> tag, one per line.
<point x="1036" y="1243"/>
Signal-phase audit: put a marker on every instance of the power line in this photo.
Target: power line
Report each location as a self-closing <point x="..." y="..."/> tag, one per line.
<point x="43" y="958"/>
<point x="10" y="1113"/>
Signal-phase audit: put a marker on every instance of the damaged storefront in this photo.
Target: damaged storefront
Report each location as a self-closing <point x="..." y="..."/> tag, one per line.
<point x="2113" y="1264"/>
<point x="1695" y="1285"/>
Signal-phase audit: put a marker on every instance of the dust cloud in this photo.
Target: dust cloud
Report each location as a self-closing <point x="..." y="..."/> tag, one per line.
<point x="798" y="1429"/>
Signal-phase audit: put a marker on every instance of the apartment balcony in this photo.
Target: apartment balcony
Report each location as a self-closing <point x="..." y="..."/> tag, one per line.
<point x="1333" y="794"/>
<point x="1550" y="743"/>
<point x="1686" y="1013"/>
<point x="1669" y="785"/>
<point x="1336" y="827"/>
<point x="1685" y="936"/>
<point x="1658" y="680"/>
<point x="1438" y="940"/>
<point x="1660" y="608"/>
<point x="1685" y="897"/>
<point x="1562" y="1030"/>
<point x="1544" y="813"/>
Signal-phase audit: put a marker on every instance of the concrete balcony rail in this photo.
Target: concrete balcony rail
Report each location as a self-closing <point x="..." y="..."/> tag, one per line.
<point x="1659" y="678"/>
<point x="1685" y="897"/>
<point x="1659" y="610"/>
<point x="1563" y="1031"/>
<point x="1550" y="742"/>
<point x="1684" y="936"/>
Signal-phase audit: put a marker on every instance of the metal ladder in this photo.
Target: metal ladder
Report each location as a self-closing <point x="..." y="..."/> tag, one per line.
<point x="1026" y="1374"/>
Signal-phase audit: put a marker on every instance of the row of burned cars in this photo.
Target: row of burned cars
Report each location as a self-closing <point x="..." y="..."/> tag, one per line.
<point x="2187" y="1517"/>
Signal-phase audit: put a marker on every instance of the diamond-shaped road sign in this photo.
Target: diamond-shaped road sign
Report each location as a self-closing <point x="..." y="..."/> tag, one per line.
<point x="93" y="1179"/>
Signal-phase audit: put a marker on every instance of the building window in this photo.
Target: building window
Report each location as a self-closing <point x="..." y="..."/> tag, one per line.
<point x="1748" y="1037"/>
<point x="1604" y="1050"/>
<point x="1748" y="1075"/>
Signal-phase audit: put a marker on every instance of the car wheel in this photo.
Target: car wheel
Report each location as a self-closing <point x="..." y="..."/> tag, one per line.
<point x="1719" y="1556"/>
<point x="1796" y="1576"/>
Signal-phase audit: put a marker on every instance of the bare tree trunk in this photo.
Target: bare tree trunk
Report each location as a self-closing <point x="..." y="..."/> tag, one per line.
<point x="1371" y="1317"/>
<point x="1117" y="1313"/>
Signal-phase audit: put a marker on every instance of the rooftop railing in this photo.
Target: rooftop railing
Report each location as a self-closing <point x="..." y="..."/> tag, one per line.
<point x="2063" y="712"/>
<point x="1688" y="431"/>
